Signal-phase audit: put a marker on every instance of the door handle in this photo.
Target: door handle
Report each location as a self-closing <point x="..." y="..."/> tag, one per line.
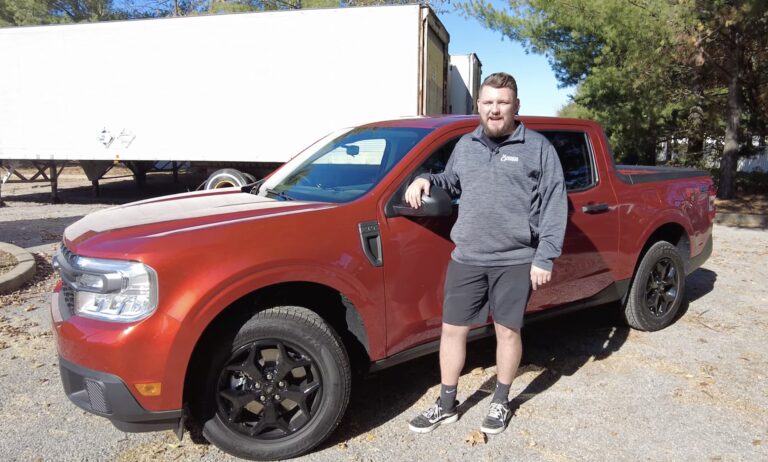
<point x="370" y="238"/>
<point x="595" y="208"/>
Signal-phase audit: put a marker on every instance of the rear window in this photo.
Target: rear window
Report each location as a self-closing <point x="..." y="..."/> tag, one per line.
<point x="575" y="155"/>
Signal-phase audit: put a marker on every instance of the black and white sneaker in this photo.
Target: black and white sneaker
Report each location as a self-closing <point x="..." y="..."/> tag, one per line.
<point x="497" y="419"/>
<point x="434" y="417"/>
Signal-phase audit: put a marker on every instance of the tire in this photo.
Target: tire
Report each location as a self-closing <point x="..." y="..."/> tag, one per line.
<point x="249" y="179"/>
<point x="279" y="388"/>
<point x="226" y="178"/>
<point x="657" y="289"/>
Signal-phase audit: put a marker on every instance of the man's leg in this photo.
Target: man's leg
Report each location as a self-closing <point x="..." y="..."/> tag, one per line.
<point x="453" y="352"/>
<point x="509" y="350"/>
<point x="509" y="293"/>
<point x="465" y="293"/>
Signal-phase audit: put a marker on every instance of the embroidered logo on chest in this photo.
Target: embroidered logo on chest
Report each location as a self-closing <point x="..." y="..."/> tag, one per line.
<point x="506" y="158"/>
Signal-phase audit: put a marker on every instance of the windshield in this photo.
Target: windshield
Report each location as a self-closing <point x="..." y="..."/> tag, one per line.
<point x="345" y="168"/>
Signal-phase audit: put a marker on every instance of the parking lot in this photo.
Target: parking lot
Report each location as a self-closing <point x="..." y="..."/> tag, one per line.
<point x="588" y="389"/>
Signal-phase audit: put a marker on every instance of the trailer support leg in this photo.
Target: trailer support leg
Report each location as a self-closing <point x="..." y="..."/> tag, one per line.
<point x="95" y="187"/>
<point x="54" y="176"/>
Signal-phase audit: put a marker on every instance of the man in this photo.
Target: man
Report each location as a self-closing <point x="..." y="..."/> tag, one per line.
<point x="509" y="230"/>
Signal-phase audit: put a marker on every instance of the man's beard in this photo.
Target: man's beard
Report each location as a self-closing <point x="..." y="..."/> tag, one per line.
<point x="499" y="131"/>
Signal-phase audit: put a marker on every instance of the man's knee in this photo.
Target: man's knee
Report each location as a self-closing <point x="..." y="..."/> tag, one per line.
<point x="507" y="334"/>
<point x="454" y="332"/>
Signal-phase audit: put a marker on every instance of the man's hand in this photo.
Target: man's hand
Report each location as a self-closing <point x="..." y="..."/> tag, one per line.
<point x="413" y="193"/>
<point x="539" y="277"/>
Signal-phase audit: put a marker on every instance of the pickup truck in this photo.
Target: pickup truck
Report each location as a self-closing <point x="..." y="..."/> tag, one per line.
<point x="245" y="311"/>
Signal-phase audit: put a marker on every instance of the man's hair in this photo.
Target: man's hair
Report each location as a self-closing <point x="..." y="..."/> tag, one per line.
<point x="500" y="80"/>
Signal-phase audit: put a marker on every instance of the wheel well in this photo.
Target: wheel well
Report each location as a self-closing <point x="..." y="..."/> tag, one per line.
<point x="672" y="233"/>
<point x="336" y="309"/>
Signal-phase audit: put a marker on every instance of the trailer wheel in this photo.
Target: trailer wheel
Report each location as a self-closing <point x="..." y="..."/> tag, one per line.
<point x="657" y="288"/>
<point x="226" y="178"/>
<point x="279" y="388"/>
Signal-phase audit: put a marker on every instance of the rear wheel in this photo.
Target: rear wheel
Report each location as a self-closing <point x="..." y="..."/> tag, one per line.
<point x="227" y="178"/>
<point x="657" y="289"/>
<point x="280" y="388"/>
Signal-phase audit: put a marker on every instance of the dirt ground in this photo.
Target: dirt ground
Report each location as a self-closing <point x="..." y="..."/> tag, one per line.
<point x="589" y="388"/>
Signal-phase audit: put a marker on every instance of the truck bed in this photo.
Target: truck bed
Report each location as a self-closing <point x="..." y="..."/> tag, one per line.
<point x="635" y="174"/>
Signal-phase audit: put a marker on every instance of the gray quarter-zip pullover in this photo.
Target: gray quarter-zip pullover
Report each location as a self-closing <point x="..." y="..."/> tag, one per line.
<point x="513" y="207"/>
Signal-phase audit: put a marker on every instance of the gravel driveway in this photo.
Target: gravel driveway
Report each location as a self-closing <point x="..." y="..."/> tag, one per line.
<point x="588" y="389"/>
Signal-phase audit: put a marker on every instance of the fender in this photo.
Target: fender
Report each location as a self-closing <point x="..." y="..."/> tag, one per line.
<point x="663" y="217"/>
<point x="220" y="296"/>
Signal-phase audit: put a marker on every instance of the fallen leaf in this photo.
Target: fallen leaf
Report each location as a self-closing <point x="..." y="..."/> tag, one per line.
<point x="756" y="442"/>
<point x="30" y="308"/>
<point x="342" y="446"/>
<point x="477" y="371"/>
<point x="476" y="437"/>
<point x="370" y="437"/>
<point x="174" y="445"/>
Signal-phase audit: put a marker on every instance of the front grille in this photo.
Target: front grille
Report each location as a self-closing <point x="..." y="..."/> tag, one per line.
<point x="69" y="298"/>
<point x="66" y="289"/>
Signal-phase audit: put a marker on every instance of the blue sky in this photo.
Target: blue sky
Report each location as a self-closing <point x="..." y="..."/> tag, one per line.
<point x="539" y="94"/>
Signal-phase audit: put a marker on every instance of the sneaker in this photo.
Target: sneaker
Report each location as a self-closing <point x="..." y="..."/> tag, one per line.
<point x="497" y="419"/>
<point x="434" y="417"/>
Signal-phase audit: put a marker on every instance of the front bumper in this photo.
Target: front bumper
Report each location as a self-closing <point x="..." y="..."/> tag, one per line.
<point x="107" y="395"/>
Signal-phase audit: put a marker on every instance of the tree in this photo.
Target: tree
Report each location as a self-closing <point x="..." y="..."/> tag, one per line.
<point x="653" y="70"/>
<point x="733" y="43"/>
<point x="617" y="52"/>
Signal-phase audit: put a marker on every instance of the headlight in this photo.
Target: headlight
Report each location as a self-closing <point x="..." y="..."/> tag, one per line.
<point x="110" y="290"/>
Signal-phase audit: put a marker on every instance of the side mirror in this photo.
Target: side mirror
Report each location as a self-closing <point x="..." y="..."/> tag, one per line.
<point x="437" y="204"/>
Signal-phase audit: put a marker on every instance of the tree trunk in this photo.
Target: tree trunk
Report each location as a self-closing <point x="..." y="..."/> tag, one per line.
<point x="695" y="151"/>
<point x="728" y="163"/>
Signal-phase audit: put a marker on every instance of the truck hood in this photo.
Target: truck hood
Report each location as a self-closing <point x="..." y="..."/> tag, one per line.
<point x="183" y="211"/>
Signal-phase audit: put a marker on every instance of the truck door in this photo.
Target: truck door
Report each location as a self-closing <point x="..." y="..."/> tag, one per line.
<point x="417" y="253"/>
<point x="591" y="236"/>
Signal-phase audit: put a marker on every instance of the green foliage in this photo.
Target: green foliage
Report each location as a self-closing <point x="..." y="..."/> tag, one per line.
<point x="34" y="12"/>
<point x="25" y="13"/>
<point x="649" y="70"/>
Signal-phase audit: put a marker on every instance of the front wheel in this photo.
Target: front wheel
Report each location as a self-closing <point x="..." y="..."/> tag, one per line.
<point x="280" y="389"/>
<point x="657" y="288"/>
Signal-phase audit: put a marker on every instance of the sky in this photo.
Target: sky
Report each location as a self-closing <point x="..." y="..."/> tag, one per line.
<point x="536" y="83"/>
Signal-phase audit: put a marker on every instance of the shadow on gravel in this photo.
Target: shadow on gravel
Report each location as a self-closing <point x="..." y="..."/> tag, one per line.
<point x="555" y="348"/>
<point x="699" y="283"/>
<point x="29" y="233"/>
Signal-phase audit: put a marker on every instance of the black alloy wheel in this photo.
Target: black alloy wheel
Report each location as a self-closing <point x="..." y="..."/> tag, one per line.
<point x="275" y="388"/>
<point x="657" y="288"/>
<point x="661" y="289"/>
<point x="269" y="389"/>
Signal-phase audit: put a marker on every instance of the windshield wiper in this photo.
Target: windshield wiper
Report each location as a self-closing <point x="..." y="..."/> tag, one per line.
<point x="279" y="194"/>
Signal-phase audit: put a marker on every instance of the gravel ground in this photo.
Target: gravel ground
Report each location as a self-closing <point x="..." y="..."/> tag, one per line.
<point x="588" y="389"/>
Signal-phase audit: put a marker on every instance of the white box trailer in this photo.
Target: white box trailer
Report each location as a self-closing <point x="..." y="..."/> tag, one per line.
<point x="240" y="90"/>
<point x="464" y="83"/>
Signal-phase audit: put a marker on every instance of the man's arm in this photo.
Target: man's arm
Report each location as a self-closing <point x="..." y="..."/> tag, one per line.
<point x="552" y="219"/>
<point x="447" y="179"/>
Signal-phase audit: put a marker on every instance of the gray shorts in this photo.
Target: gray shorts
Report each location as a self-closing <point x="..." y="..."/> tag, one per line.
<point x="469" y="289"/>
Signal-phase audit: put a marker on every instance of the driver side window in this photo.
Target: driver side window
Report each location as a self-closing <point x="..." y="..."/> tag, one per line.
<point x="437" y="161"/>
